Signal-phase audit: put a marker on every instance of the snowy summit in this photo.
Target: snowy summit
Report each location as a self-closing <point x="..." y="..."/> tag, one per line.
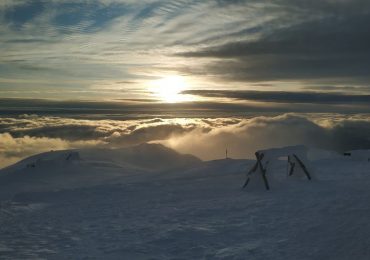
<point x="150" y="202"/>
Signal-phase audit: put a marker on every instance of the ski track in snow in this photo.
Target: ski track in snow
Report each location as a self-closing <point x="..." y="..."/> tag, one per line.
<point x="200" y="213"/>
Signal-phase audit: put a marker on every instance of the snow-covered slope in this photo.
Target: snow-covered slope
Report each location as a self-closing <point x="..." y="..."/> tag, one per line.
<point x="149" y="202"/>
<point x="81" y="168"/>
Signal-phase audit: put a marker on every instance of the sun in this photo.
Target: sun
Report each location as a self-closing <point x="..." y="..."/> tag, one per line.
<point x="168" y="89"/>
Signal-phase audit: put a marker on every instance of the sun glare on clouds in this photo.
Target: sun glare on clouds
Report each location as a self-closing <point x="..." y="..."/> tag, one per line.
<point x="168" y="89"/>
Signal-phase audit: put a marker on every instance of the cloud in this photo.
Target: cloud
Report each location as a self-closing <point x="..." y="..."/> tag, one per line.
<point x="347" y="89"/>
<point x="204" y="137"/>
<point x="148" y="134"/>
<point x="227" y="103"/>
<point x="249" y="135"/>
<point x="284" y="96"/>
<point x="115" y="132"/>
<point x="319" y="41"/>
<point x="26" y="135"/>
<point x="79" y="45"/>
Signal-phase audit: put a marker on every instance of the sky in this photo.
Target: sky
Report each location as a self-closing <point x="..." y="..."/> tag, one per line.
<point x="287" y="63"/>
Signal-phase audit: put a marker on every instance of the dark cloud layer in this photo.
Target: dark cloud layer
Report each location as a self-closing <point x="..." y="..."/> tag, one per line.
<point x="284" y="96"/>
<point x="310" y="103"/>
<point x="314" y="41"/>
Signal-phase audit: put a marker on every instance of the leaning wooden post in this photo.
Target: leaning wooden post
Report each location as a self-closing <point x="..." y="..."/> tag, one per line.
<point x="302" y="166"/>
<point x="263" y="171"/>
<point x="292" y="165"/>
<point x="254" y="168"/>
<point x="258" y="164"/>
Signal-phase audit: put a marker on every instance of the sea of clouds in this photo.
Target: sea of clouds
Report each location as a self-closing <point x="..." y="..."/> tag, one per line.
<point x="206" y="138"/>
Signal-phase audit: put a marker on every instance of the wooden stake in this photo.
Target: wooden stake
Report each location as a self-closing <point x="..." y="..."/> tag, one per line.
<point x="302" y="166"/>
<point x="263" y="171"/>
<point x="246" y="182"/>
<point x="292" y="165"/>
<point x="258" y="164"/>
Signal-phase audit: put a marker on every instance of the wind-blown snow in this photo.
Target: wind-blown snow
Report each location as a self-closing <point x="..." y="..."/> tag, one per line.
<point x="149" y="202"/>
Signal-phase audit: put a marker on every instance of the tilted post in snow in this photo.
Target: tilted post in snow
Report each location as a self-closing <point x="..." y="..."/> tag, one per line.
<point x="293" y="160"/>
<point x="302" y="166"/>
<point x="259" y="165"/>
<point x="292" y="165"/>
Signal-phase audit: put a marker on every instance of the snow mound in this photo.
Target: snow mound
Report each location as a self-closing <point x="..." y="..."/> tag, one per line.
<point x="87" y="167"/>
<point x="45" y="159"/>
<point x="144" y="156"/>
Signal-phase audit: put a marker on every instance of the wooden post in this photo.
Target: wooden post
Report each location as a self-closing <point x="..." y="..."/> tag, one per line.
<point x="263" y="171"/>
<point x="254" y="168"/>
<point x="292" y="165"/>
<point x="302" y="166"/>
<point x="246" y="183"/>
<point x="258" y="164"/>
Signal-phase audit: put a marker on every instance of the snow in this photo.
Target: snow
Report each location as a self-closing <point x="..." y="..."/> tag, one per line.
<point x="360" y="155"/>
<point x="149" y="202"/>
<point x="275" y="153"/>
<point x="270" y="156"/>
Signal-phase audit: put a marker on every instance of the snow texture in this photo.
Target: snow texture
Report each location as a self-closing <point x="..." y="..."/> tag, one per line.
<point x="149" y="202"/>
<point x="360" y="155"/>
